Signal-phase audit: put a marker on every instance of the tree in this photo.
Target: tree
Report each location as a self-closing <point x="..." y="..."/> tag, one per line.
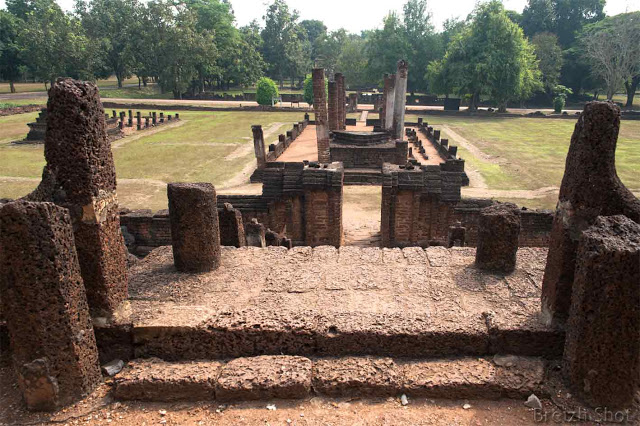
<point x="352" y="61"/>
<point x="266" y="91"/>
<point x="54" y="44"/>
<point x="423" y="44"/>
<point x="110" y="24"/>
<point x="385" y="47"/>
<point x="283" y="47"/>
<point x="491" y="56"/>
<point x="313" y="29"/>
<point x="613" y="47"/>
<point x="328" y="47"/>
<point x="10" y="62"/>
<point x="308" y="89"/>
<point x="565" y="18"/>
<point x="549" y="56"/>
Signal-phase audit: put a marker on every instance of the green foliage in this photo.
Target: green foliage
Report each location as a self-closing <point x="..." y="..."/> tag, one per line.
<point x="549" y="56"/>
<point x="490" y="57"/>
<point x="266" y="91"/>
<point x="558" y="104"/>
<point x="352" y="61"/>
<point x="308" y="89"/>
<point x="10" y="61"/>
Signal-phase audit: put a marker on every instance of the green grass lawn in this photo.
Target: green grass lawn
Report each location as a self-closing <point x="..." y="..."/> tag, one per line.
<point x="204" y="147"/>
<point x="39" y="87"/>
<point x="529" y="153"/>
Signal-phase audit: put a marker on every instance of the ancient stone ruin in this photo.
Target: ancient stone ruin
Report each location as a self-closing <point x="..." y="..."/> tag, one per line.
<point x="257" y="296"/>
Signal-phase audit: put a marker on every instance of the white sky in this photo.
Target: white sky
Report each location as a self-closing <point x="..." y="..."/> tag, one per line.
<point x="358" y="15"/>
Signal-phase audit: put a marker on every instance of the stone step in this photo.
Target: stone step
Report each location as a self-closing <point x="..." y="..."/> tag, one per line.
<point x="254" y="332"/>
<point x="294" y="377"/>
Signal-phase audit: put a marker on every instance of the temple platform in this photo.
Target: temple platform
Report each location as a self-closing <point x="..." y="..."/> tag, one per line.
<point x="406" y="303"/>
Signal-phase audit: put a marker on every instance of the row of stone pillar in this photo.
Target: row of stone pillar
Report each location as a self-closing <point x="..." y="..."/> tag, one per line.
<point x="151" y="118"/>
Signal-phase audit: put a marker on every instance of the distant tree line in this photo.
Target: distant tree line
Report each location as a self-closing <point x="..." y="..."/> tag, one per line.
<point x="552" y="49"/>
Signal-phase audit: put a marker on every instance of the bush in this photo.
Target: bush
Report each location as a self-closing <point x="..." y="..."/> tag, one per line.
<point x="558" y="104"/>
<point x="266" y="90"/>
<point x="308" y="89"/>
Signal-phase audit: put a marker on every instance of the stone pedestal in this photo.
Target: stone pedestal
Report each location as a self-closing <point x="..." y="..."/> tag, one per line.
<point x="231" y="227"/>
<point x="52" y="341"/>
<point x="255" y="233"/>
<point x="80" y="175"/>
<point x="602" y="350"/>
<point x="195" y="233"/>
<point x="498" y="232"/>
<point x="590" y="188"/>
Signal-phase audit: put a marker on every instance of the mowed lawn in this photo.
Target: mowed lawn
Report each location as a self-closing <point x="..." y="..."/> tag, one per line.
<point x="203" y="147"/>
<point x="530" y="153"/>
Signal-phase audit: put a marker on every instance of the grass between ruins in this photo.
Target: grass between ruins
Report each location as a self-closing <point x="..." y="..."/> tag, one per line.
<point x="523" y="154"/>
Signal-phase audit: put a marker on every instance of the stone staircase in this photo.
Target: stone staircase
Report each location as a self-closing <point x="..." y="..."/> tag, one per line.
<point x="277" y="323"/>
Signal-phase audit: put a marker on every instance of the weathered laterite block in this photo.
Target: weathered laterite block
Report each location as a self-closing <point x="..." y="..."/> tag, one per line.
<point x="602" y="350"/>
<point x="255" y="234"/>
<point x="195" y="232"/>
<point x="80" y="175"/>
<point x="590" y="188"/>
<point x="498" y="233"/>
<point x="52" y="341"/>
<point x="231" y="227"/>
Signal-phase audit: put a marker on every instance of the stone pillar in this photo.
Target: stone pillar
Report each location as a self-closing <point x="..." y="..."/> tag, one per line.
<point x="332" y="105"/>
<point x="130" y="122"/>
<point x="400" y="99"/>
<point x="231" y="227"/>
<point x="195" y="232"/>
<point x="582" y="199"/>
<point x="255" y="234"/>
<point x="353" y="102"/>
<point x="320" y="110"/>
<point x="258" y="146"/>
<point x="138" y="120"/>
<point x="80" y="175"/>
<point x="498" y="232"/>
<point x="155" y="118"/>
<point x="146" y="122"/>
<point x="162" y="117"/>
<point x="342" y="95"/>
<point x="602" y="350"/>
<point x="272" y="238"/>
<point x="389" y="101"/>
<point x="45" y="305"/>
<point x="177" y="116"/>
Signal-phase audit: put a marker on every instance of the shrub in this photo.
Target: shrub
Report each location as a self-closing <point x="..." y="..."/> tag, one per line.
<point x="558" y="104"/>
<point x="266" y="90"/>
<point x="308" y="89"/>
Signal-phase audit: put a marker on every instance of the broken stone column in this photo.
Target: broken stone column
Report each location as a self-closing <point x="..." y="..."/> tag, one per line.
<point x="602" y="350"/>
<point x="390" y="100"/>
<point x="231" y="227"/>
<point x="272" y="238"/>
<point x="45" y="305"/>
<point x="80" y="175"/>
<point x="320" y="110"/>
<point x="590" y="188"/>
<point x="332" y="106"/>
<point x="255" y="233"/>
<point x="353" y="102"/>
<point x="195" y="232"/>
<point x="342" y="94"/>
<point x="258" y="146"/>
<point x="457" y="235"/>
<point x="498" y="232"/>
<point x="400" y="98"/>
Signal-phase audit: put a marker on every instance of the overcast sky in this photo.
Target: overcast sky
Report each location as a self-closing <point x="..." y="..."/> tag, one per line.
<point x="358" y="15"/>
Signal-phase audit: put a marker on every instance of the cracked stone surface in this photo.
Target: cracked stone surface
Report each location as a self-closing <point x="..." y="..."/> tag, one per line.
<point x="334" y="302"/>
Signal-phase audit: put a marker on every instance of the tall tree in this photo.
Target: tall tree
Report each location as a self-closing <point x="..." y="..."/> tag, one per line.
<point x="111" y="25"/>
<point x="328" y="47"/>
<point x="283" y="38"/>
<point x="613" y="47"/>
<point x="313" y="29"/>
<point x="549" y="55"/>
<point x="423" y="44"/>
<point x="352" y="61"/>
<point x="385" y="47"/>
<point x="491" y="56"/>
<point x="565" y="18"/>
<point x="10" y="61"/>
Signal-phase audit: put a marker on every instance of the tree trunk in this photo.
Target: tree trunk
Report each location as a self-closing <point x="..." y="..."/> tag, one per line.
<point x="119" y="77"/>
<point x="631" y="87"/>
<point x="144" y="81"/>
<point x="139" y="83"/>
<point x="502" y="107"/>
<point x="473" y="103"/>
<point x="12" y="86"/>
